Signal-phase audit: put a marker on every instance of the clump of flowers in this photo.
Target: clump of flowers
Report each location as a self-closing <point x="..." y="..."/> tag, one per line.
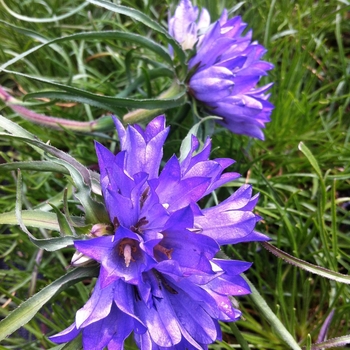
<point x="159" y="275"/>
<point x="225" y="70"/>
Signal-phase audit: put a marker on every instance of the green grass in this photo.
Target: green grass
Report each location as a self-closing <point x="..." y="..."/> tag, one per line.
<point x="305" y="213"/>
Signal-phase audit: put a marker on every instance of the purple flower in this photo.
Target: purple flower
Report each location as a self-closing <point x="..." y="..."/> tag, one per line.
<point x="159" y="275"/>
<point x="227" y="68"/>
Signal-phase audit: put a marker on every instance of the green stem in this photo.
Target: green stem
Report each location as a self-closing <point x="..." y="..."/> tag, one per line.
<point x="270" y="316"/>
<point x="236" y="332"/>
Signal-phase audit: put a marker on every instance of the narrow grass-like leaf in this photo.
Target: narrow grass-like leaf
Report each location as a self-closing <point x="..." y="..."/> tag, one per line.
<point x="271" y="317"/>
<point x="53" y="244"/>
<point x="81" y="176"/>
<point x="53" y="18"/>
<point x="321" y="207"/>
<point x="94" y="211"/>
<point x="75" y="344"/>
<point x="105" y="102"/>
<point x="104" y="35"/>
<point x="18" y="210"/>
<point x="27" y="310"/>
<point x="34" y="218"/>
<point x="111" y="104"/>
<point x="238" y="335"/>
<point x="153" y="73"/>
<point x="186" y="143"/>
<point x="303" y="148"/>
<point x="22" y="134"/>
<point x="25" y="31"/>
<point x="65" y="228"/>
<point x="40" y="165"/>
<point x="83" y="171"/>
<point x="318" y="270"/>
<point x="308" y="342"/>
<point x="14" y="128"/>
<point x="141" y="17"/>
<point x="332" y="343"/>
<point x="268" y="23"/>
<point x="37" y="36"/>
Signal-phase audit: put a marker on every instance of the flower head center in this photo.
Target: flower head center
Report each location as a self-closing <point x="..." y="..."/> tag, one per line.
<point x="127" y="247"/>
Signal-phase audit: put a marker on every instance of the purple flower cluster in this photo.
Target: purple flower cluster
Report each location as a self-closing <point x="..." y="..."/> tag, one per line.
<point x="159" y="275"/>
<point x="227" y="68"/>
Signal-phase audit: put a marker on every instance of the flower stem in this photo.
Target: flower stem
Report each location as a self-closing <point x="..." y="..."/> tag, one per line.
<point x="104" y="123"/>
<point x="236" y="332"/>
<point x="270" y="316"/>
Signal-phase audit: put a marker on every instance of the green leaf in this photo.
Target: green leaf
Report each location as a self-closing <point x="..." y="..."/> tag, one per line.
<point x="32" y="218"/>
<point x="186" y="142"/>
<point x="271" y="317"/>
<point x="105" y="102"/>
<point x="14" y="128"/>
<point x="185" y="147"/>
<point x="41" y="219"/>
<point x="38" y="219"/>
<point x="112" y="104"/>
<point x="141" y="17"/>
<point x="94" y="211"/>
<point x="317" y="270"/>
<point x="38" y="37"/>
<point x="51" y="19"/>
<point x="238" y="335"/>
<point x="308" y="342"/>
<point x="153" y="73"/>
<point x="18" y="209"/>
<point x="53" y="244"/>
<point x="35" y="166"/>
<point x="104" y="35"/>
<point x="302" y="147"/>
<point x="84" y="180"/>
<point x="27" y="310"/>
<point x="108" y="103"/>
<point x="75" y="344"/>
<point x="83" y="171"/>
<point x="65" y="228"/>
<point x="333" y="342"/>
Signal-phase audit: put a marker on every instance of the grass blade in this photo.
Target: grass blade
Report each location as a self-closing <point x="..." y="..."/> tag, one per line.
<point x="27" y="310"/>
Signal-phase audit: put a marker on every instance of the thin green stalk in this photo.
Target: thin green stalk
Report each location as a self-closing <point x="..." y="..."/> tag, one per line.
<point x="240" y="339"/>
<point x="270" y="316"/>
